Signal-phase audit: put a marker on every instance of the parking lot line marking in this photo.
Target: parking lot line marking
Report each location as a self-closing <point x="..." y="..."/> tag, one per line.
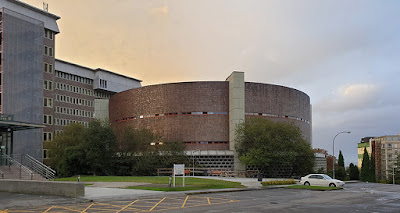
<point x="127" y="206"/>
<point x="208" y="199"/>
<point x="183" y="205"/>
<point x="87" y="208"/>
<point x="48" y="209"/>
<point x="157" y="204"/>
<point x="61" y="207"/>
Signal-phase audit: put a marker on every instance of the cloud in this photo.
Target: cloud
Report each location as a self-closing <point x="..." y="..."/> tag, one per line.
<point x="352" y="97"/>
<point x="159" y="11"/>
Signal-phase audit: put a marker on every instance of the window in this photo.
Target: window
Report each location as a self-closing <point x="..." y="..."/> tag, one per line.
<point x="48" y="102"/>
<point x="45" y="154"/>
<point x="48" y="34"/>
<point x="48" y="119"/>
<point x="50" y="68"/>
<point x="46" y="67"/>
<point x="48" y="85"/>
<point x="47" y="136"/>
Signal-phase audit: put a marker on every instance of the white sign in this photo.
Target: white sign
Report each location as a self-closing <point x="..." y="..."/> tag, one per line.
<point x="179" y="169"/>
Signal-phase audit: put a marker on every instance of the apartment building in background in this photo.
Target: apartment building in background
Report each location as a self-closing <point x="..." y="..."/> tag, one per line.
<point x="385" y="150"/>
<point x="38" y="89"/>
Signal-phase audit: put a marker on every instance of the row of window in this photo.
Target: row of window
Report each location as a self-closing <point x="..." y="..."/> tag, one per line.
<point x="72" y="77"/>
<point x="72" y="100"/>
<point x="170" y="114"/>
<point x="47" y="102"/>
<point x="66" y="122"/>
<point x="48" y="34"/>
<point x="75" y="89"/>
<point x="75" y="112"/>
<point x="276" y="116"/>
<point x="204" y="113"/>
<point x="389" y="145"/>
<point x="49" y="51"/>
<point x="206" y="142"/>
<point x="79" y="90"/>
<point x="211" y="113"/>
<point x="48" y="68"/>
<point x="102" y="95"/>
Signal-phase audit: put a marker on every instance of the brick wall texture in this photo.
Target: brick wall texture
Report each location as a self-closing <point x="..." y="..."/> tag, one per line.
<point x="126" y="109"/>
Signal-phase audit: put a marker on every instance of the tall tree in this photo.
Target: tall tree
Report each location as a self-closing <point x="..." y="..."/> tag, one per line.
<point x="341" y="172"/>
<point x="354" y="173"/>
<point x="274" y="147"/>
<point x="341" y="159"/>
<point x="365" y="174"/>
<point x="372" y="175"/>
<point x="99" y="146"/>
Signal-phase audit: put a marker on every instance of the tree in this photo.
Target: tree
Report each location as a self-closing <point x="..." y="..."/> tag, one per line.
<point x="66" y="154"/>
<point x="81" y="150"/>
<point x="365" y="174"/>
<point x="354" y="173"/>
<point x="99" y="144"/>
<point x="373" y="176"/>
<point x="277" y="148"/>
<point x="341" y="172"/>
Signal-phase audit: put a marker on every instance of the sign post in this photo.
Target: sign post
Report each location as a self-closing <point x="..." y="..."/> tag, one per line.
<point x="179" y="169"/>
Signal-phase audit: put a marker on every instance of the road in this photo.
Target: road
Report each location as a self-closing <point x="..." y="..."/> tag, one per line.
<point x="356" y="197"/>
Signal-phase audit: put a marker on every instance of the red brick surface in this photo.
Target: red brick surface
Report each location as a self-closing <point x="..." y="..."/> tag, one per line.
<point x="203" y="97"/>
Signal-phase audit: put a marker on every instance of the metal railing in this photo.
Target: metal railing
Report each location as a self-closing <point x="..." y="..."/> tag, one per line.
<point x="39" y="167"/>
<point x="7" y="160"/>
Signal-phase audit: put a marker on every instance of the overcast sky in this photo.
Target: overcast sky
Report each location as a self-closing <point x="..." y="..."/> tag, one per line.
<point x="344" y="54"/>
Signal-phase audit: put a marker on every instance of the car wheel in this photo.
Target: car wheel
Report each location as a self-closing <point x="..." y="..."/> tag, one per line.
<point x="306" y="184"/>
<point x="332" y="185"/>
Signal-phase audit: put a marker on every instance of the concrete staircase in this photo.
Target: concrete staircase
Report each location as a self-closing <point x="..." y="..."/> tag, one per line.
<point x="15" y="172"/>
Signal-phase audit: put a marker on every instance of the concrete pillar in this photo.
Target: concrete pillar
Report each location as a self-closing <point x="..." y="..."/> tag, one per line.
<point x="236" y="111"/>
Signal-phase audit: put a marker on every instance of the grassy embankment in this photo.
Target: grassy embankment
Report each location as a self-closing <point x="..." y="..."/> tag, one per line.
<point x="160" y="183"/>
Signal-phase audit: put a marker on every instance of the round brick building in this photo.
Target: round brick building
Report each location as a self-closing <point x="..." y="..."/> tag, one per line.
<point x="203" y="114"/>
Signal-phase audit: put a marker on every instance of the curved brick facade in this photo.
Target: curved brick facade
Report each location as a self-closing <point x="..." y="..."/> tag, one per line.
<point x="197" y="112"/>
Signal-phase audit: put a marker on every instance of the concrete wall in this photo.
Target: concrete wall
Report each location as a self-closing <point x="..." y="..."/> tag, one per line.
<point x="68" y="189"/>
<point x="101" y="109"/>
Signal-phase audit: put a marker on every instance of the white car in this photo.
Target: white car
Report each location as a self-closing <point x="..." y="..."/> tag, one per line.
<point x="320" y="180"/>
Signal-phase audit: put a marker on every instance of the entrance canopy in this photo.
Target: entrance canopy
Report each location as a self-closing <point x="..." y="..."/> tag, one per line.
<point x="8" y="124"/>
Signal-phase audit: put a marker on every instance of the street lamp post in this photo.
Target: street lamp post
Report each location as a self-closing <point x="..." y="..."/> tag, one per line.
<point x="193" y="158"/>
<point x="333" y="159"/>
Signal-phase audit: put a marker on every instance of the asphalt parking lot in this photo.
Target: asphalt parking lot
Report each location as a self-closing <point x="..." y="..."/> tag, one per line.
<point x="355" y="197"/>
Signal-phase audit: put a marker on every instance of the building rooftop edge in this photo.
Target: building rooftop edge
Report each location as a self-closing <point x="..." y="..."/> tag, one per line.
<point x="97" y="69"/>
<point x="180" y="82"/>
<point x="23" y="4"/>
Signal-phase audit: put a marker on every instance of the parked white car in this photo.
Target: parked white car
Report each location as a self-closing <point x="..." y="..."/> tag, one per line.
<point x="320" y="180"/>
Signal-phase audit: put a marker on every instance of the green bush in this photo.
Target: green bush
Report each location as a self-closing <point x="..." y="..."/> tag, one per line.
<point x="278" y="182"/>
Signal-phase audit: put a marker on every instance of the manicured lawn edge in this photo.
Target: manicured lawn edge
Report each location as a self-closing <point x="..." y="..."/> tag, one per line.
<point x="161" y="181"/>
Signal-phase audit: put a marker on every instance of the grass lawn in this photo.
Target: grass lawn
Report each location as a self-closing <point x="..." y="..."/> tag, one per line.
<point x="319" y="188"/>
<point x="160" y="183"/>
